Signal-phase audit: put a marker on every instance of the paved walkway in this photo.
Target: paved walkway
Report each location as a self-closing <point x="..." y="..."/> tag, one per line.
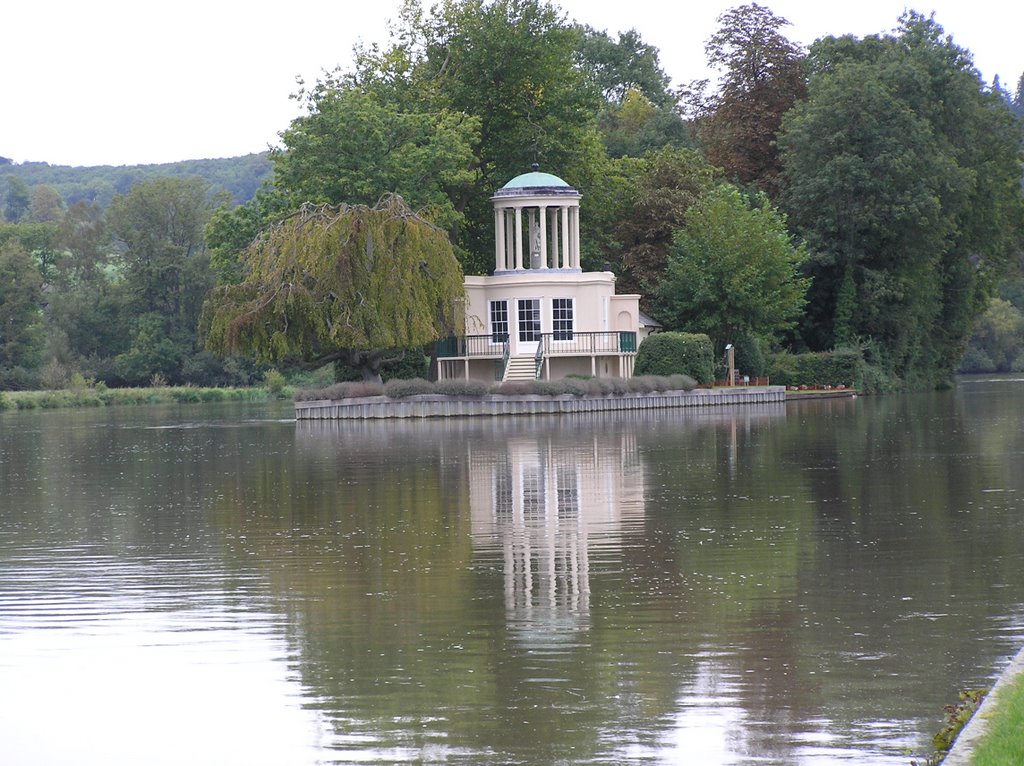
<point x="962" y="751"/>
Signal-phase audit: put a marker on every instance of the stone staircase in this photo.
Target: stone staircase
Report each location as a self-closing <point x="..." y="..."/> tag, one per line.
<point x="521" y="368"/>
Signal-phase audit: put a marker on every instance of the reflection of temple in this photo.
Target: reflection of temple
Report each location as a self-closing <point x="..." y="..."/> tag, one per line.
<point x="538" y="505"/>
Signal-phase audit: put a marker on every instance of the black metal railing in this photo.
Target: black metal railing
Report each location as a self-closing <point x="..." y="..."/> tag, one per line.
<point x="473" y="345"/>
<point x="563" y="343"/>
<point x="577" y="343"/>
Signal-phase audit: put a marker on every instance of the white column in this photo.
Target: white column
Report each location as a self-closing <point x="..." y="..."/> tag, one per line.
<point x="565" y="236"/>
<point x="510" y="245"/>
<point x="542" y="213"/>
<point x="519" y="238"/>
<point x="554" y="239"/>
<point x="499" y="239"/>
<point x="576" y="237"/>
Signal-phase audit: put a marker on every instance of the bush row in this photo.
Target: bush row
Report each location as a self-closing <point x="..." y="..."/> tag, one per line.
<point x="844" y="366"/>
<point x="399" y="389"/>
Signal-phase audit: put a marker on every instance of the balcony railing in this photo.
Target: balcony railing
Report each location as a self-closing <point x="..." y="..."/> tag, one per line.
<point x="551" y="344"/>
<point x="493" y="346"/>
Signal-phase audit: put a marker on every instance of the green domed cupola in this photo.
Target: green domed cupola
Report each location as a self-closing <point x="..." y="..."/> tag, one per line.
<point x="536" y="224"/>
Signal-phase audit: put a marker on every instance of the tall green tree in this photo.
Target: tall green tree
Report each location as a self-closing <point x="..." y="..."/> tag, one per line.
<point x="511" y="64"/>
<point x="733" y="271"/>
<point x="83" y="234"/>
<point x="762" y="78"/>
<point x="659" y="190"/>
<point x="353" y="147"/>
<point x="1017" y="104"/>
<point x="231" y="229"/>
<point x="997" y="341"/>
<point x="166" y="271"/>
<point x="16" y="199"/>
<point x="635" y="127"/>
<point x="45" y="205"/>
<point x="347" y="283"/>
<point x="618" y="67"/>
<point x="20" y="299"/>
<point x="87" y="306"/>
<point x="903" y="175"/>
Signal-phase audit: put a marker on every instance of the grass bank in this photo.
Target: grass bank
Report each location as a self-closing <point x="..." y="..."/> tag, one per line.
<point x="110" y="397"/>
<point x="1003" y="740"/>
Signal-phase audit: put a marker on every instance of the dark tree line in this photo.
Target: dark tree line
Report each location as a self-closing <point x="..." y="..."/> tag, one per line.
<point x="238" y="176"/>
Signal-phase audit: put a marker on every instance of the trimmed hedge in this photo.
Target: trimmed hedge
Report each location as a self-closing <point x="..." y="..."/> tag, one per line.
<point x="842" y="367"/>
<point x="671" y="353"/>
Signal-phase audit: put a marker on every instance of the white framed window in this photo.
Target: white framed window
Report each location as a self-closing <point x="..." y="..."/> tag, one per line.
<point x="499" y="321"/>
<point x="529" y="320"/>
<point x="562" y="319"/>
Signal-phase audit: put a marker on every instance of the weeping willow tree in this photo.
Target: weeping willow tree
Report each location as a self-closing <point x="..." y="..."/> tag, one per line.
<point x="349" y="283"/>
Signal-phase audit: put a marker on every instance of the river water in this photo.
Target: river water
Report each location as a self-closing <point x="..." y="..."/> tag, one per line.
<point x="793" y="584"/>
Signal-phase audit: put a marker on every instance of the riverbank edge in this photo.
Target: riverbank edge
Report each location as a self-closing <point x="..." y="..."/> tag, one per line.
<point x="846" y="393"/>
<point x="490" y="405"/>
<point x="962" y="752"/>
<point x="126" y="397"/>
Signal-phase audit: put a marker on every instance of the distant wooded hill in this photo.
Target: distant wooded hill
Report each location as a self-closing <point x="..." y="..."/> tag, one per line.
<point x="239" y="176"/>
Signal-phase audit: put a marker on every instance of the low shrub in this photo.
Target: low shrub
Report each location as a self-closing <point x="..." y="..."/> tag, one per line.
<point x="274" y="381"/>
<point x="750" y="358"/>
<point x="461" y="388"/>
<point x="669" y="353"/>
<point x="551" y="387"/>
<point x="54" y="376"/>
<point x="513" y="388"/>
<point x="645" y="384"/>
<point x="975" y="360"/>
<point x="782" y="369"/>
<point x="344" y="390"/>
<point x="78" y="382"/>
<point x="572" y="386"/>
<point x="399" y="389"/>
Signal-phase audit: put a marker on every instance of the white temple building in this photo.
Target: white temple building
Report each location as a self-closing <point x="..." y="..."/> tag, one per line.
<point x="539" y="315"/>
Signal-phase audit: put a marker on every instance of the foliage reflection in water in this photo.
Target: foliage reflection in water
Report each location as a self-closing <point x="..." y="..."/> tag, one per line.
<point x="768" y="585"/>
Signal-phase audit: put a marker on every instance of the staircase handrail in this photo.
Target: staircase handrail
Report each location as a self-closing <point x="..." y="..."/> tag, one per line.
<point x="506" y="352"/>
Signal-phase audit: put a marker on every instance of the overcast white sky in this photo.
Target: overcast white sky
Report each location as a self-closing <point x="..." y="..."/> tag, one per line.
<point x="118" y="82"/>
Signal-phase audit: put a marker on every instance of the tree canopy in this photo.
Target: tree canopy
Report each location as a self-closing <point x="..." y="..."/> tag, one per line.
<point x="733" y="271"/>
<point x="762" y="78"/>
<point x="347" y="283"/>
<point x="903" y="175"/>
<point x="353" y="146"/>
<point x="20" y="298"/>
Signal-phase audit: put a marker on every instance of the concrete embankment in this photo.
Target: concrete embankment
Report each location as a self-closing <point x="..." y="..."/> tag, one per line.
<point x="962" y="752"/>
<point x="435" y="406"/>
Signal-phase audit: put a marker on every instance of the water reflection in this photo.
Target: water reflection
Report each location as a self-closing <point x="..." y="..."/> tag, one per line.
<point x="540" y="500"/>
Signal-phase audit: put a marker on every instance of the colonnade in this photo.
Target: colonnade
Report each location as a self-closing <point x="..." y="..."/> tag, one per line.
<point x="528" y="235"/>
